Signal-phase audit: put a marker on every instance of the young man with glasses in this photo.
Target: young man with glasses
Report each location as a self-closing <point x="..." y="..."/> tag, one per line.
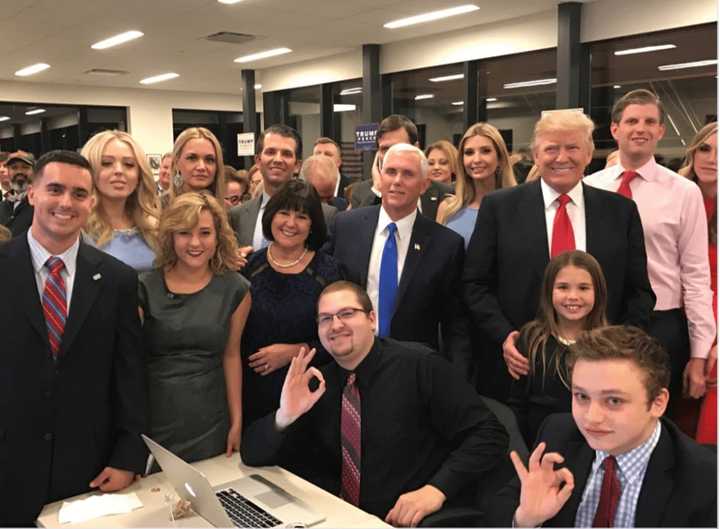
<point x="388" y="426"/>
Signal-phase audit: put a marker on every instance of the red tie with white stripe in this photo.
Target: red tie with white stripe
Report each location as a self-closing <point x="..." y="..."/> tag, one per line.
<point x="54" y="302"/>
<point x="350" y="422"/>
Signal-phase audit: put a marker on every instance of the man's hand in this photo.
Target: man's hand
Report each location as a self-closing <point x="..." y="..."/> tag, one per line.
<point x="296" y="397"/>
<point x="241" y="258"/>
<point x="516" y="363"/>
<point x="272" y="357"/>
<point x="694" y="378"/>
<point x="710" y="373"/>
<point x="411" y="507"/>
<point x="112" y="479"/>
<point x="543" y="490"/>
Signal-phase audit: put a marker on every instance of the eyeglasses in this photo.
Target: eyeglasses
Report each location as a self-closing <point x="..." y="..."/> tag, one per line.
<point x="233" y="199"/>
<point x="343" y="315"/>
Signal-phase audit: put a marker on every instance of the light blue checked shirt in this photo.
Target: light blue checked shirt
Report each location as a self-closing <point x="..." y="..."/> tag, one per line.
<point x="631" y="471"/>
<point x="40" y="255"/>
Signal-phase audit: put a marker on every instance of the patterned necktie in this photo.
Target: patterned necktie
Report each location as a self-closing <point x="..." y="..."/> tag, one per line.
<point x="624" y="189"/>
<point x="350" y="421"/>
<point x="609" y="495"/>
<point x="54" y="302"/>
<point x="563" y="237"/>
<point x="388" y="281"/>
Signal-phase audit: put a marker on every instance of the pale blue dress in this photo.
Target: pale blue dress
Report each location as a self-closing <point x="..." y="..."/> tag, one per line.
<point x="463" y="223"/>
<point x="129" y="247"/>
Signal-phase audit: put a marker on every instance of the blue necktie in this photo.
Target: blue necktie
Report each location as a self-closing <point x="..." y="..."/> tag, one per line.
<point x="388" y="281"/>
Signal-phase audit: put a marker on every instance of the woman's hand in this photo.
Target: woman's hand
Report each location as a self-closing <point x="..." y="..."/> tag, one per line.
<point x="273" y="357"/>
<point x="233" y="439"/>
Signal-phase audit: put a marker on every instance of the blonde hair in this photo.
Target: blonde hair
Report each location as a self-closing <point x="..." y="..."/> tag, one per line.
<point x="183" y="213"/>
<point x="464" y="187"/>
<point x="217" y="188"/>
<point x="450" y="152"/>
<point x="564" y="121"/>
<point x="142" y="205"/>
<point x="688" y="168"/>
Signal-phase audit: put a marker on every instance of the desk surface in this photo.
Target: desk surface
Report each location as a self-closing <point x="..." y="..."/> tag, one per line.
<point x="152" y="491"/>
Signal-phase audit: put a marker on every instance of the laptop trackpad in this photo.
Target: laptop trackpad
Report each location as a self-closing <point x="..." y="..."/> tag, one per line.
<point x="272" y="499"/>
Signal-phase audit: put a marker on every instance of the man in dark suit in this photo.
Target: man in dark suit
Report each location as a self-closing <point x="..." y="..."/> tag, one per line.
<point x="392" y="130"/>
<point x="623" y="465"/>
<point x="424" y="303"/>
<point x="519" y="229"/>
<point x="278" y="153"/>
<point x="330" y="148"/>
<point x="16" y="213"/>
<point x="72" y="398"/>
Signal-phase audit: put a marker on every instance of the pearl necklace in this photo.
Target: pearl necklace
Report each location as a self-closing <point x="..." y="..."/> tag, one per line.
<point x="285" y="265"/>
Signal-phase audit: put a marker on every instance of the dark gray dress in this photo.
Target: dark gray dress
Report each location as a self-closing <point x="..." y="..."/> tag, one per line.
<point x="185" y="337"/>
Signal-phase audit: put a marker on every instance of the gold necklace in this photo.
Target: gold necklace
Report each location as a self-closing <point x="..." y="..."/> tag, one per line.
<point x="285" y="265"/>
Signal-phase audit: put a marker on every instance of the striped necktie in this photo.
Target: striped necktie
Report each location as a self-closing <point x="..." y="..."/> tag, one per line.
<point x="350" y="421"/>
<point x="54" y="302"/>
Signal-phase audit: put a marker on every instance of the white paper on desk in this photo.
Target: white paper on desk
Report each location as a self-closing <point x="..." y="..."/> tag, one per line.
<point x="98" y="505"/>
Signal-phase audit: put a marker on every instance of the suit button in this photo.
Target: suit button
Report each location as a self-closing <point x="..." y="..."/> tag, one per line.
<point x="48" y="436"/>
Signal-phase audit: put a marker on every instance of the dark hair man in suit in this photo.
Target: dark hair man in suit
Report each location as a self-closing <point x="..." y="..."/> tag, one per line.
<point x="72" y="399"/>
<point x="390" y="427"/>
<point x="392" y="130"/>
<point x="623" y="465"/>
<point x="410" y="265"/>
<point x="519" y="229"/>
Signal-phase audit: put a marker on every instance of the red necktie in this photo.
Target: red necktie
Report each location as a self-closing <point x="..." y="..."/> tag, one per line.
<point x="609" y="495"/>
<point x="54" y="302"/>
<point x="350" y="422"/>
<point x="563" y="237"/>
<point x="624" y="189"/>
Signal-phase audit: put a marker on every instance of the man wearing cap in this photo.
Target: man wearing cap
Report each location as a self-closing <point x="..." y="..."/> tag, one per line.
<point x="16" y="213"/>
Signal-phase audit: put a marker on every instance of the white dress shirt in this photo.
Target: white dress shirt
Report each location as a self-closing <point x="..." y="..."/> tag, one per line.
<point x="402" y="238"/>
<point x="575" y="210"/>
<point x="40" y="255"/>
<point x="259" y="240"/>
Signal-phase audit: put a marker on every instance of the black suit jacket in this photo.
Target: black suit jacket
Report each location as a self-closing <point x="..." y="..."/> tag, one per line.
<point x="508" y="253"/>
<point x="679" y="488"/>
<point x="363" y="196"/>
<point x="429" y="291"/>
<point x="344" y="182"/>
<point x="62" y="422"/>
<point x="17" y="220"/>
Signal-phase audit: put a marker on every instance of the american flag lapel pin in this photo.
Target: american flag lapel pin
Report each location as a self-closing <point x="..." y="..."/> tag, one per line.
<point x="97" y="276"/>
<point x="416" y="247"/>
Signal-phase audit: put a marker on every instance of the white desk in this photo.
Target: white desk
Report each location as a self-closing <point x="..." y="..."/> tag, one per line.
<point x="155" y="513"/>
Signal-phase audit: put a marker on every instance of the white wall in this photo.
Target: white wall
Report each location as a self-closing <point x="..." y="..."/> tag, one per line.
<point x="149" y="111"/>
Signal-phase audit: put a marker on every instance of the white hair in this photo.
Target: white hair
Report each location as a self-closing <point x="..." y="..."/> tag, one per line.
<point x="323" y="162"/>
<point x="406" y="147"/>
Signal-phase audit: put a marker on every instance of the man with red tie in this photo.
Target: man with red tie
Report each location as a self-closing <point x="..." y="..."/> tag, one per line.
<point x="390" y="427"/>
<point x="72" y="397"/>
<point x="519" y="229"/>
<point x="673" y="218"/>
<point x="615" y="462"/>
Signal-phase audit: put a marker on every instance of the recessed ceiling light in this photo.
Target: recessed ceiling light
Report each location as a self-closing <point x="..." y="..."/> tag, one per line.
<point x="351" y="91"/>
<point x="342" y="107"/>
<point x="34" y="111"/>
<point x="429" y="17"/>
<point x="258" y="86"/>
<point x="682" y="66"/>
<point x="490" y="99"/>
<point x="32" y="70"/>
<point x="457" y="103"/>
<point x="646" y="49"/>
<point x="420" y="97"/>
<point x="229" y="2"/>
<point x="263" y="55"/>
<point x="4" y="118"/>
<point x="159" y="78"/>
<point x="117" y="39"/>
<point x="446" y="78"/>
<point x="523" y="84"/>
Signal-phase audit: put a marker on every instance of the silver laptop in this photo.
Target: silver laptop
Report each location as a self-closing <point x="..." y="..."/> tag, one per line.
<point x="251" y="501"/>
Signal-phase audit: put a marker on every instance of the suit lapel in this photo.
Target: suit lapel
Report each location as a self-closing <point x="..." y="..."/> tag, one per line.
<point x="86" y="287"/>
<point x="657" y="484"/>
<point x="416" y="249"/>
<point x="593" y="232"/>
<point x="429" y="200"/>
<point x="578" y="458"/>
<point x="368" y="223"/>
<point x="27" y="285"/>
<point x="253" y="211"/>
<point x="535" y="228"/>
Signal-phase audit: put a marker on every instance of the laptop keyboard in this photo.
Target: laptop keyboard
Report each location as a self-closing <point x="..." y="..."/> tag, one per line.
<point x="243" y="512"/>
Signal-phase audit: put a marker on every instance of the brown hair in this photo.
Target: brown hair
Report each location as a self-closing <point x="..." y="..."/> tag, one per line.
<point x="325" y="140"/>
<point x="360" y="293"/>
<point x="184" y="213"/>
<point x="636" y="97"/>
<point x="688" y="169"/>
<point x="619" y="342"/>
<point x="545" y="324"/>
<point x="396" y="122"/>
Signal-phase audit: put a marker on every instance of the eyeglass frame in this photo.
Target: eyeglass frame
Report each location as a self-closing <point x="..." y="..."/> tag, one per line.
<point x="323" y="320"/>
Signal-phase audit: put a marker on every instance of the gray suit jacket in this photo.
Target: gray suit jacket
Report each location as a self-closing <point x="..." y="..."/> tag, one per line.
<point x="244" y="217"/>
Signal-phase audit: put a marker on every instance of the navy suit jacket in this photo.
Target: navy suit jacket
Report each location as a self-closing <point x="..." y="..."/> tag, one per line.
<point x="62" y="422"/>
<point x="428" y="297"/>
<point x="679" y="488"/>
<point x="17" y="220"/>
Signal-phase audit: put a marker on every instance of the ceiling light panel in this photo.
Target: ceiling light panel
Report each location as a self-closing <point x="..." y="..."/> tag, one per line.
<point x="263" y="55"/>
<point x="682" y="66"/>
<point x="34" y="111"/>
<point x="420" y="97"/>
<point x="32" y="70"/>
<point x="524" y="84"/>
<point x="446" y="78"/>
<point x="646" y="49"/>
<point x="117" y="40"/>
<point x="429" y="17"/>
<point x="159" y="78"/>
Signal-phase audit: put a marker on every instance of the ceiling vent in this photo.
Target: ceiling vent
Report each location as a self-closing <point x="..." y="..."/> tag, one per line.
<point x="104" y="72"/>
<point x="230" y="37"/>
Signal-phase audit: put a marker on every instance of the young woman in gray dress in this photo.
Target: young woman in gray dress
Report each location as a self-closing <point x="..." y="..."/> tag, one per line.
<point x="194" y="308"/>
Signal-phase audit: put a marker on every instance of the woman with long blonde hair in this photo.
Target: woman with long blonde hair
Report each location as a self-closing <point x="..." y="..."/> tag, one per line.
<point x="198" y="164"/>
<point x="124" y="220"/>
<point x="484" y="166"/>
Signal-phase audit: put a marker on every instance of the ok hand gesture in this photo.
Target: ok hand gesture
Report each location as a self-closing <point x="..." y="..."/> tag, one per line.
<point x="296" y="397"/>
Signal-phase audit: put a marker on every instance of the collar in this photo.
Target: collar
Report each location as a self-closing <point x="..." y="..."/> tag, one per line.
<point x="40" y="255"/>
<point x="632" y="464"/>
<point x="365" y="370"/>
<point x="646" y="172"/>
<point x="550" y="195"/>
<point x="404" y="225"/>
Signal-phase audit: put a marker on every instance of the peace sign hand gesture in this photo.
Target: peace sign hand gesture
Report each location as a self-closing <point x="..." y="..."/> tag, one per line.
<point x="296" y="397"/>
